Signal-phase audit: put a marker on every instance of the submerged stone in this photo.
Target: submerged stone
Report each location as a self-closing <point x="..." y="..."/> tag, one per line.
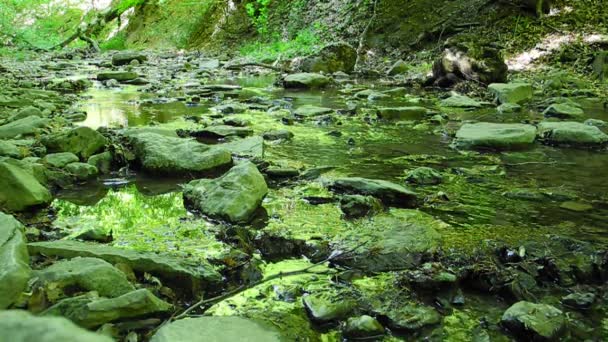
<point x="19" y="188"/>
<point x="306" y="81"/>
<point x="511" y="92"/>
<point x="82" y="141"/>
<point x="494" y="136"/>
<point x="460" y="101"/>
<point x="413" y="317"/>
<point x="21" y="326"/>
<point x="27" y="126"/>
<point x="362" y="327"/>
<point x="217" y="329"/>
<point x="424" y="176"/>
<point x="234" y="197"/>
<point x="311" y="111"/>
<point x="390" y="193"/>
<point x="571" y="133"/>
<point x="324" y="307"/>
<point x="166" y="155"/>
<point x="402" y="113"/>
<point x="534" y="322"/>
<point x="86" y="274"/>
<point x="120" y="76"/>
<point x="15" y="271"/>
<point x="165" y="266"/>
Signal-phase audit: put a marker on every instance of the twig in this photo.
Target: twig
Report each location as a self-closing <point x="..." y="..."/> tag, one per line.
<point x="261" y="65"/>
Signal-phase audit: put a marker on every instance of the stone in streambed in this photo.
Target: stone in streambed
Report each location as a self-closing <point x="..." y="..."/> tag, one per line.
<point x="222" y="131"/>
<point x="27" y="126"/>
<point x="485" y="135"/>
<point x="60" y="160"/>
<point x="564" y="111"/>
<point x="306" y="111"/>
<point x="15" y="271"/>
<point x="331" y="58"/>
<point x="511" y="92"/>
<point x="390" y="193"/>
<point x="82" y="141"/>
<point x="21" y="326"/>
<point x="326" y="307"/>
<point x="534" y="322"/>
<point x="280" y="134"/>
<point x="424" y="176"/>
<point x="413" y="317"/>
<point x="234" y="197"/>
<point x="19" y="188"/>
<point x="362" y="327"/>
<point x="9" y="149"/>
<point x="24" y="113"/>
<point x="571" y="133"/>
<point x="460" y="101"/>
<point x="402" y="113"/>
<point x="306" y="81"/>
<point x="120" y="76"/>
<point x="102" y="161"/>
<point x="126" y="57"/>
<point x="82" y="171"/>
<point x="355" y="206"/>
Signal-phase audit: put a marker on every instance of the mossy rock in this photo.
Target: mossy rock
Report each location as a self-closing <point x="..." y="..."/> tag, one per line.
<point x="82" y="141"/>
<point x="306" y="81"/>
<point x="571" y="133"/>
<point x="534" y="322"/>
<point x="15" y="271"/>
<point x="20" y="189"/>
<point x="30" y="125"/>
<point x="485" y="135"/>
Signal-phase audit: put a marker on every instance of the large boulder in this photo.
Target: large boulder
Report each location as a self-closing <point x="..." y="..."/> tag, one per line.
<point x="126" y="57"/>
<point x="82" y="141"/>
<point x="217" y="329"/>
<point x="19" y="188"/>
<point x="332" y="58"/>
<point x="390" y="193"/>
<point x="166" y="155"/>
<point x="485" y="135"/>
<point x="306" y="81"/>
<point x="15" y="271"/>
<point x="511" y="92"/>
<point x="27" y="126"/>
<point x="571" y="133"/>
<point x="164" y="266"/>
<point x="21" y="326"/>
<point x="90" y="311"/>
<point x="234" y="196"/>
<point x="481" y="64"/>
<point x="534" y="322"/>
<point x="86" y="274"/>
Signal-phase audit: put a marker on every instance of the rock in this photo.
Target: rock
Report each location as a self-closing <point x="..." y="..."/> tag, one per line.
<point x="82" y="171"/>
<point x="102" y="161"/>
<point x="280" y="134"/>
<point x="231" y="108"/>
<point x="355" y="206"/>
<point x="590" y="122"/>
<point x="86" y="274"/>
<point x="332" y="58"/>
<point x="460" y="101"/>
<point x="166" y="155"/>
<point x="412" y="317"/>
<point x="252" y="147"/>
<point x="306" y="111"/>
<point x="576" y="206"/>
<point x="8" y="149"/>
<point x="234" y="197"/>
<point x="564" y="111"/>
<point x="456" y="64"/>
<point x="402" y="113"/>
<point x="125" y="57"/>
<point x="571" y="133"/>
<point x="21" y="326"/>
<point x="534" y="322"/>
<point x="27" y="126"/>
<point x="600" y="66"/>
<point x="398" y="68"/>
<point x="60" y="160"/>
<point x="511" y="92"/>
<point x="217" y="329"/>
<point x="507" y="108"/>
<point x="82" y="141"/>
<point x="120" y="76"/>
<point x="162" y="265"/>
<point x="306" y="81"/>
<point x="494" y="136"/>
<point x="90" y="312"/>
<point x="19" y="188"/>
<point x="327" y="307"/>
<point x="580" y="301"/>
<point x="397" y="240"/>
<point x="424" y="176"/>
<point x="362" y="327"/>
<point x="15" y="271"/>
<point x="25" y="112"/>
<point x="222" y="131"/>
<point x="390" y="193"/>
<point x="276" y="172"/>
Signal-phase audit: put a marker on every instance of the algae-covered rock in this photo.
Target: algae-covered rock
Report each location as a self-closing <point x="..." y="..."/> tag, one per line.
<point x="82" y="171"/>
<point x="27" y="126"/>
<point x="279" y="134"/>
<point x="402" y="113"/>
<point x="327" y="307"/>
<point x="126" y="57"/>
<point x="24" y="113"/>
<point x="21" y="326"/>
<point x="60" y="160"/>
<point x="217" y="329"/>
<point x="82" y="141"/>
<point x="390" y="193"/>
<point x="166" y="155"/>
<point x="332" y="58"/>
<point x="413" y="317"/>
<point x="19" y="188"/>
<point x="534" y="322"/>
<point x="424" y="176"/>
<point x="398" y="68"/>
<point x="306" y="81"/>
<point x="362" y="327"/>
<point x="120" y="76"/>
<point x="306" y="111"/>
<point x="252" y="147"/>
<point x="89" y="311"/>
<point x="234" y="196"/>
<point x="223" y="131"/>
<point x="485" y="135"/>
<point x="571" y="133"/>
<point x="15" y="271"/>
<point x="9" y="149"/>
<point x="511" y="92"/>
<point x="460" y="101"/>
<point x="88" y="274"/>
<point x="102" y="161"/>
<point x="355" y="206"/>
<point x="164" y="266"/>
<point x="564" y="111"/>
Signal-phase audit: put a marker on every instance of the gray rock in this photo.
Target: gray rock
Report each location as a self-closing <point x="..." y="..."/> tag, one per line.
<point x="27" y="126"/>
<point x="511" y="92"/>
<point x="217" y="329"/>
<point x="166" y="155"/>
<point x="306" y="81"/>
<point x="21" y="326"/>
<point x="60" y="160"/>
<point x="15" y="271"/>
<point x="120" y="76"/>
<point x="234" y="197"/>
<point x="331" y="58"/>
<point x="82" y="141"/>
<point x="390" y="193"/>
<point x="485" y="135"/>
<point x="571" y="133"/>
<point x="125" y="57"/>
<point x="534" y="322"/>
<point x="460" y="101"/>
<point x="164" y="266"/>
<point x="19" y="188"/>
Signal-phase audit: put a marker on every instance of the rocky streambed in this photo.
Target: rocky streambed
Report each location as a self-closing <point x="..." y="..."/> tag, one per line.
<point x="173" y="197"/>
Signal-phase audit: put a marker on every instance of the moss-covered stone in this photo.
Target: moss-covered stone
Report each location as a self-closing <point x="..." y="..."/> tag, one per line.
<point x="27" y="126"/>
<point x="390" y="193"/>
<point x="402" y="113"/>
<point x="306" y="81"/>
<point x="60" y="160"/>
<point x="15" y="271"/>
<point x="82" y="141"/>
<point x="19" y="188"/>
<point x="306" y="111"/>
<point x="534" y="322"/>
<point x="120" y="76"/>
<point x="511" y="92"/>
<point x="126" y="57"/>
<point x="486" y="135"/>
<point x="82" y="171"/>
<point x="331" y="58"/>
<point x="362" y="327"/>
<point x="571" y="133"/>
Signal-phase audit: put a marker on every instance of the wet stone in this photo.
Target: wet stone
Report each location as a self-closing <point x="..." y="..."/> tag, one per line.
<point x="571" y="133"/>
<point x="311" y="111"/>
<point x="60" y="160"/>
<point x="460" y="101"/>
<point x="120" y="76"/>
<point x="413" y="317"/>
<point x="326" y="307"/>
<point x="402" y="113"/>
<point x="15" y="271"/>
<point x="529" y="321"/>
<point x="82" y="141"/>
<point x="355" y="206"/>
<point x="281" y="134"/>
<point x="580" y="301"/>
<point x="424" y="176"/>
<point x="362" y="326"/>
<point x="19" y="188"/>
<point x="564" y="111"/>
<point x="306" y="81"/>
<point x="511" y="92"/>
<point x="494" y="136"/>
<point x="27" y="126"/>
<point x="390" y="193"/>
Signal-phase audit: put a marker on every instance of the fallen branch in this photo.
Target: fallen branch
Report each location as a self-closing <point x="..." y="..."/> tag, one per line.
<point x="254" y="64"/>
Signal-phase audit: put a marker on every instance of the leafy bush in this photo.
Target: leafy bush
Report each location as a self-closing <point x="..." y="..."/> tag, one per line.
<point x="258" y="12"/>
<point x="118" y="42"/>
<point x="305" y="42"/>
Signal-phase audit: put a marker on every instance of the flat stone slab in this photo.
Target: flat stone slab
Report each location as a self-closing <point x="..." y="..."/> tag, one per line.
<point x="390" y="193"/>
<point x="166" y="266"/>
<point x="571" y="133"/>
<point x="14" y="260"/>
<point x="485" y="135"/>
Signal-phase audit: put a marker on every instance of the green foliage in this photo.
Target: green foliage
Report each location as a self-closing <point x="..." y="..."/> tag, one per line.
<point x="124" y="5"/>
<point x="305" y="42"/>
<point x="258" y="12"/>
<point x="118" y="42"/>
